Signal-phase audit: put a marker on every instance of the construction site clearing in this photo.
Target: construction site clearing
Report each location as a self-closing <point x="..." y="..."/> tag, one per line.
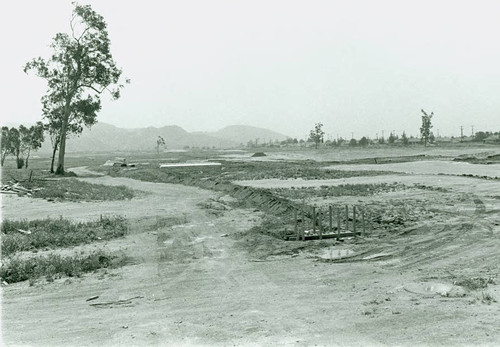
<point x="276" y="251"/>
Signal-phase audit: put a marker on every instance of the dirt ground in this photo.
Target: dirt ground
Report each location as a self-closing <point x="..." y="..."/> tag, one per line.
<point x="357" y="153"/>
<point x="210" y="282"/>
<point x="430" y="167"/>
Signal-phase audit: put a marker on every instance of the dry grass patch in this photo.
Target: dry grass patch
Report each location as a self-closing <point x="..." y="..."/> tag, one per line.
<point x="19" y="236"/>
<point x="17" y="269"/>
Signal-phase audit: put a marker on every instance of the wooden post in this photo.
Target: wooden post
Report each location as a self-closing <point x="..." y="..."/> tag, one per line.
<point x="354" y="220"/>
<point x="330" y="217"/>
<point x="320" y="220"/>
<point x="363" y="221"/>
<point x="338" y="224"/>
<point x="303" y="224"/>
<point x="314" y="220"/>
<point x="347" y="218"/>
<point x="295" y="223"/>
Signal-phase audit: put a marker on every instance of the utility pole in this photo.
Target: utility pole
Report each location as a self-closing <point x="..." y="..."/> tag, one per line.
<point x="472" y="130"/>
<point x="461" y="132"/>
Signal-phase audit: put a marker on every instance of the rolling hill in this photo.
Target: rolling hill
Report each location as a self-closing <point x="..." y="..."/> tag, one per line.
<point x="106" y="137"/>
<point x="241" y="134"/>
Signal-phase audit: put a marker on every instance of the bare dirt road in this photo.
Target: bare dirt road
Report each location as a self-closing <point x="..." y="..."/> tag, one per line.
<point x="208" y="282"/>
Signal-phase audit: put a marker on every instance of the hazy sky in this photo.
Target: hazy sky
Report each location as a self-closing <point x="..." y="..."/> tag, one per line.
<point x="356" y="66"/>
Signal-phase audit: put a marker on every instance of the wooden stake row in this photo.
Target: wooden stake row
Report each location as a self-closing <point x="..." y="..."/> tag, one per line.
<point x="317" y="221"/>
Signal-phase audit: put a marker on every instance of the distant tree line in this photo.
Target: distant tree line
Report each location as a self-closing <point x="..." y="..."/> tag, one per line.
<point x="480" y="136"/>
<point x="316" y="137"/>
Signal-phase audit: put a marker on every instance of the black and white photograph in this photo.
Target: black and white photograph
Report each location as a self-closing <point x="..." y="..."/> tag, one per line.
<point x="250" y="173"/>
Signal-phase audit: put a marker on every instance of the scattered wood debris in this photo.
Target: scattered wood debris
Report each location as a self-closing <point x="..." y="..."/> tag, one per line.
<point x="120" y="162"/>
<point x="116" y="303"/>
<point x="17" y="188"/>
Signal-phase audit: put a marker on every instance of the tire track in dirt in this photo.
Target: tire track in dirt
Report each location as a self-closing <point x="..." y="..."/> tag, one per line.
<point x="480" y="207"/>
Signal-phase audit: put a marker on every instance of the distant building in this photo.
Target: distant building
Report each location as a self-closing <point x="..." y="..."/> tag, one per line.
<point x="492" y="139"/>
<point x="414" y="141"/>
<point x="444" y="140"/>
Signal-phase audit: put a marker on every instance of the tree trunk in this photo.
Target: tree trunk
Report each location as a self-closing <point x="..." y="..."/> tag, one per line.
<point x="56" y="144"/>
<point x="4" y="155"/>
<point x="62" y="150"/>
<point x="19" y="162"/>
<point x="27" y="158"/>
<point x="62" y="141"/>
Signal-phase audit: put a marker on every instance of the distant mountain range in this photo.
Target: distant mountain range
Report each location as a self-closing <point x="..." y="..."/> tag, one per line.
<point x="106" y="137"/>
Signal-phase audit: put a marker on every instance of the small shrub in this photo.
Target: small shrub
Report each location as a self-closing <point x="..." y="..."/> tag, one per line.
<point x="473" y="283"/>
<point x="488" y="298"/>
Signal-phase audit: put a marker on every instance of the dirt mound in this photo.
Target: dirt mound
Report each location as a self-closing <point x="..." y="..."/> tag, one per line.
<point x="259" y="154"/>
<point x="479" y="158"/>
